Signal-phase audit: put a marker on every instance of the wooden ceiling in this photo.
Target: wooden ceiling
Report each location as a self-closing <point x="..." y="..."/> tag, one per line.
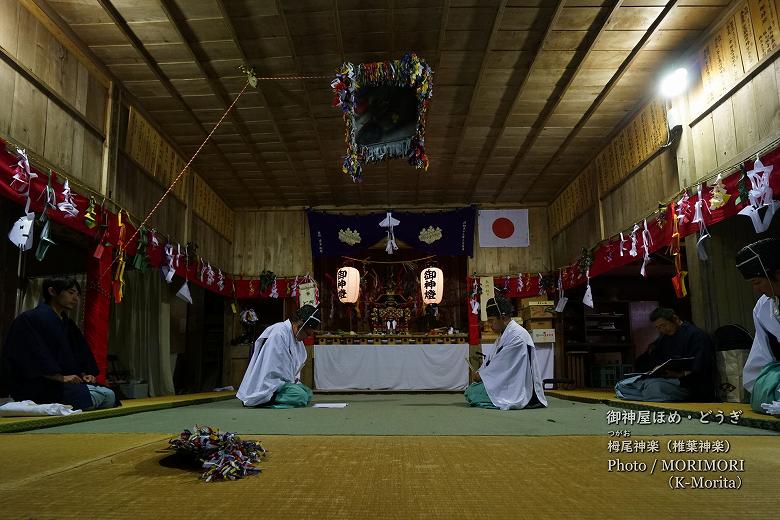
<point x="525" y="91"/>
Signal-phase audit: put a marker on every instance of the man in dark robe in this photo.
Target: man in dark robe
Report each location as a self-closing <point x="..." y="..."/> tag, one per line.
<point x="46" y="358"/>
<point x="678" y="339"/>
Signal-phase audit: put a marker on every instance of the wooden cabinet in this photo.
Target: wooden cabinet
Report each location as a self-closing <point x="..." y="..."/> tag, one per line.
<point x="600" y="344"/>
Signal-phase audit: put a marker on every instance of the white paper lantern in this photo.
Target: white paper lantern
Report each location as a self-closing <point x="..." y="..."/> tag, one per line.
<point x="348" y="284"/>
<point x="432" y="284"/>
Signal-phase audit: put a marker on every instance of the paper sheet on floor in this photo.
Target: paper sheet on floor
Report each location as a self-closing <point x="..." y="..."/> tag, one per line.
<point x="330" y="405"/>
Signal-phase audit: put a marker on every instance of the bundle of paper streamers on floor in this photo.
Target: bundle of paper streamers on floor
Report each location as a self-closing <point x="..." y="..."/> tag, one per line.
<point x="224" y="455"/>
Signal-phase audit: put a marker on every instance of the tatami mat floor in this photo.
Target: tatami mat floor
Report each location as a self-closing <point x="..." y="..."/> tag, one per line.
<point x="373" y="477"/>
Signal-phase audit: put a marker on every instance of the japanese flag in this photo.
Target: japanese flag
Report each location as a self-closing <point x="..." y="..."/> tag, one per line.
<point x="503" y="228"/>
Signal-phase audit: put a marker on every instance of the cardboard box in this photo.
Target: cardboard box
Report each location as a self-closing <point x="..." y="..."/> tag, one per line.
<point x="543" y="335"/>
<point x="536" y="300"/>
<point x="538" y="311"/>
<point x="536" y="324"/>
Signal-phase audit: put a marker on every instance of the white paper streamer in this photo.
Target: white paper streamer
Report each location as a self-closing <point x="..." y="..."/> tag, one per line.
<point x="587" y="299"/>
<point x="622" y="243"/>
<point x="633" y="251"/>
<point x="646" y="241"/>
<point x="23" y="176"/>
<point x="68" y="205"/>
<point x="698" y="218"/>
<point x="172" y="260"/>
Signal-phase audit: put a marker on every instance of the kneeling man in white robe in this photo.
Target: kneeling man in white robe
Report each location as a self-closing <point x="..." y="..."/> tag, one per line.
<point x="509" y="377"/>
<point x="272" y="378"/>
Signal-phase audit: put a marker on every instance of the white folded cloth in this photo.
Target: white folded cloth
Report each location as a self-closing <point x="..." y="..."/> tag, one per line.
<point x="29" y="408"/>
<point x="772" y="408"/>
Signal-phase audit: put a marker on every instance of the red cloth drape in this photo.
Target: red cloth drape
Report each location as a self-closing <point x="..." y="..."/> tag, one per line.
<point x="97" y="304"/>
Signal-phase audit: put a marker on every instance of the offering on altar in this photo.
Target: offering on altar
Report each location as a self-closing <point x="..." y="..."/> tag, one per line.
<point x="390" y="314"/>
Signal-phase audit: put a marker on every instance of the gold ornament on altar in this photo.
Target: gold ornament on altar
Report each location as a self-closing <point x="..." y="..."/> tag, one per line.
<point x="348" y="284"/>
<point x="430" y="234"/>
<point x="432" y="285"/>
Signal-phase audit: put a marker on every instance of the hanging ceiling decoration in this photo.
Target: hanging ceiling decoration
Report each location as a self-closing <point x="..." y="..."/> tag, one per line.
<point x="384" y="106"/>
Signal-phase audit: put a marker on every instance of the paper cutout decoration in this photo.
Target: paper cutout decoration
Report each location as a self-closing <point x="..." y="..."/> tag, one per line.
<point x="184" y="292"/>
<point x="89" y="214"/>
<point x="22" y="175"/>
<point x="588" y="298"/>
<point x="384" y="106"/>
<point x="45" y="242"/>
<point x="634" y="231"/>
<point x="172" y="262"/>
<point x="562" y="300"/>
<point x="49" y="196"/>
<point x="704" y="234"/>
<point x="21" y="233"/>
<point x="389" y="222"/>
<point x="719" y="196"/>
<point x="760" y="197"/>
<point x="119" y="277"/>
<point x="68" y="205"/>
<point x="678" y="282"/>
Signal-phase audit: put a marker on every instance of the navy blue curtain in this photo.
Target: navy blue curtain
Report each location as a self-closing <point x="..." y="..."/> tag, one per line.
<point x="449" y="233"/>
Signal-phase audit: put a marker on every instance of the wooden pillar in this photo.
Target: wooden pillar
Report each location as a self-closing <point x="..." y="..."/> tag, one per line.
<point x="699" y="290"/>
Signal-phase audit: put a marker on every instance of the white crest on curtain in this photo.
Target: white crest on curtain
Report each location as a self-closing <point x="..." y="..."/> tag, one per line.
<point x="389" y="222"/>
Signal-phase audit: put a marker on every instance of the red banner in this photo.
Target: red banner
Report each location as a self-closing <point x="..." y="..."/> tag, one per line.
<point x="97" y="304"/>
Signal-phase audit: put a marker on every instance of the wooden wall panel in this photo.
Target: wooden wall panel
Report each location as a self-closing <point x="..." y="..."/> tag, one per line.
<point x="211" y="208"/>
<point x="750" y="116"/>
<point x="274" y="240"/>
<point x="575" y="199"/>
<point x="583" y="232"/>
<point x="138" y="193"/>
<point x="640" y="194"/>
<point x="212" y="246"/>
<point x="29" y="117"/>
<point x="512" y="260"/>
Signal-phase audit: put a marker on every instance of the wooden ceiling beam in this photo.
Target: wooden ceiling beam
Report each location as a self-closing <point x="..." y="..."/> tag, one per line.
<point x="236" y="40"/>
<point x="176" y="18"/>
<point x="118" y="20"/>
<point x="340" y="41"/>
<point x="480" y="76"/>
<point x="442" y="35"/>
<point x="334" y="191"/>
<point x="601" y="97"/>
<point x="483" y="158"/>
<point x="592" y="37"/>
